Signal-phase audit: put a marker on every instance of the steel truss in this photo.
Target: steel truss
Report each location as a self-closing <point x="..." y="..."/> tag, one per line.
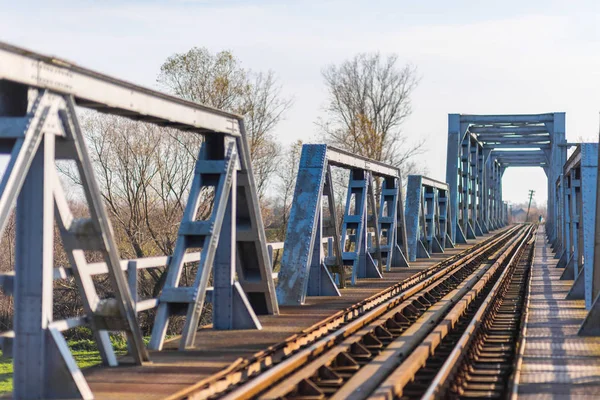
<point x="579" y="180"/>
<point x="38" y="125"/>
<point x="577" y="187"/>
<point x="481" y="147"/>
<point x="428" y="219"/>
<point x="305" y="271"/>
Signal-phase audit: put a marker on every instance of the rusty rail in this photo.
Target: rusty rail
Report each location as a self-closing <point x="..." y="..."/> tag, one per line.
<point x="378" y="319"/>
<point x="447" y="361"/>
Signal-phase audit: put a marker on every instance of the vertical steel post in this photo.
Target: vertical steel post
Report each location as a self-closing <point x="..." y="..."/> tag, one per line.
<point x="567" y="219"/>
<point x="558" y="158"/>
<point x="33" y="276"/>
<point x="42" y="362"/>
<point x="595" y="259"/>
<point x="591" y="324"/>
<point x="302" y="226"/>
<point x="570" y="271"/>
<point x="224" y="264"/>
<point x="474" y="185"/>
<point x="452" y="166"/>
<point x="589" y="171"/>
<point x="231" y="307"/>
<point x="465" y="191"/>
<point x="481" y="197"/>
<point x="415" y="218"/>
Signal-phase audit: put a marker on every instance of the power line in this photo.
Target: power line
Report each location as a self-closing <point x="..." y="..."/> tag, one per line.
<point x="531" y="192"/>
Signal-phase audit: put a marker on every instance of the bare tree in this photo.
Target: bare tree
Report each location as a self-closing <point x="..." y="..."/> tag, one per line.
<point x="219" y="80"/>
<point x="369" y="99"/>
<point x="144" y="173"/>
<point x="287" y="184"/>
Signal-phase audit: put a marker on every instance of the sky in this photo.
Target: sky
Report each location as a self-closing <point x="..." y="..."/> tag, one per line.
<point x="472" y="57"/>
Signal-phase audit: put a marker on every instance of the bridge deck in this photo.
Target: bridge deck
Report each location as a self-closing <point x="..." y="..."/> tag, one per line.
<point x="556" y="362"/>
<point x="171" y="371"/>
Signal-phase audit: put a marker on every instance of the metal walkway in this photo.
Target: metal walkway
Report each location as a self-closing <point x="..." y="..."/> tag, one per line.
<point x="556" y="363"/>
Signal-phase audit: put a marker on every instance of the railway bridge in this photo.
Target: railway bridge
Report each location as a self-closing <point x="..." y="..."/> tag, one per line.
<point x="418" y="289"/>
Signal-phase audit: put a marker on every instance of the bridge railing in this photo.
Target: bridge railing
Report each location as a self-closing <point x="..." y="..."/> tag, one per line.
<point x="39" y="97"/>
<point x="305" y="271"/>
<point x="132" y="267"/>
<point x="577" y="186"/>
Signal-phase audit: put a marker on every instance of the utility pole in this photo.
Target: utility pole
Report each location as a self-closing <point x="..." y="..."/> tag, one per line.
<point x="531" y="192"/>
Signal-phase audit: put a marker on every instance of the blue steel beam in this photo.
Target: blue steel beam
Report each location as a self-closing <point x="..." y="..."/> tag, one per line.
<point x="305" y="217"/>
<point x="455" y="132"/>
<point x="558" y="244"/>
<point x="391" y="214"/>
<point x="515" y="145"/>
<point x="527" y="129"/>
<point x="591" y="324"/>
<point x="506" y="119"/>
<point x="427" y="217"/>
<point x="527" y="140"/>
<point x="580" y="177"/>
<point x="485" y="138"/>
<point x="573" y="187"/>
<point x="589" y="176"/>
<point x="558" y="157"/>
<point x="304" y="269"/>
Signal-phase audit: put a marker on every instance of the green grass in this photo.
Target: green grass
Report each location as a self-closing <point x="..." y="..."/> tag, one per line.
<point x="6" y="370"/>
<point x="84" y="359"/>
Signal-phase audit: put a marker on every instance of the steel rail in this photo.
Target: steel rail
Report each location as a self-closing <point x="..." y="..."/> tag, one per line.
<point x="376" y="332"/>
<point x="515" y="379"/>
<point x="377" y="339"/>
<point x="402" y="359"/>
<point x="406" y="372"/>
<point x="297" y="349"/>
<point x="487" y="317"/>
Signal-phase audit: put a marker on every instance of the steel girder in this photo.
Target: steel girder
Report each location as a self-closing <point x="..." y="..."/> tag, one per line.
<point x="38" y="124"/>
<point x="481" y="147"/>
<point x="591" y="242"/>
<point x="305" y="271"/>
<point x="428" y="225"/>
<point x="576" y="198"/>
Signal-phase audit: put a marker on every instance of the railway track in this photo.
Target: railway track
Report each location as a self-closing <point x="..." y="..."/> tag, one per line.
<point x="474" y="358"/>
<point x="359" y="352"/>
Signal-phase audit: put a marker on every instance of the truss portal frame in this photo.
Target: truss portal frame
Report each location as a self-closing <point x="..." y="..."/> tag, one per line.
<point x="481" y="147"/>
<point x="38" y="124"/>
<point x="305" y="271"/>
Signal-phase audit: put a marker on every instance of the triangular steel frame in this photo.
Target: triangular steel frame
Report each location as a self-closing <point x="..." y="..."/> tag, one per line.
<point x="48" y="131"/>
<point x="301" y="272"/>
<point x="217" y="237"/>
